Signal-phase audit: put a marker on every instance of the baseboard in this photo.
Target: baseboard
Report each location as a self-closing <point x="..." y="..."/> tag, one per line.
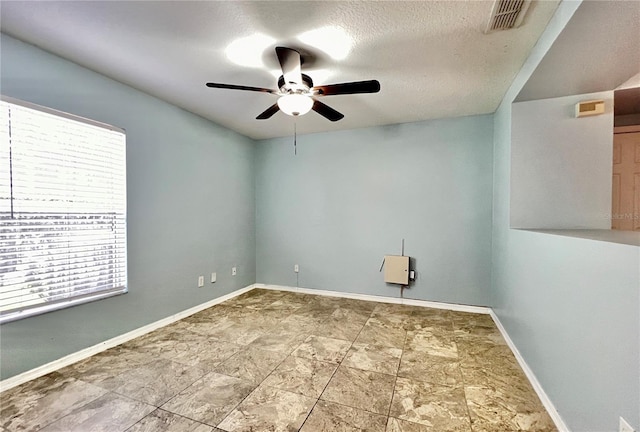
<point x="553" y="413"/>
<point x="88" y="352"/>
<point x="380" y="299"/>
<point x="551" y="409"/>
<point x="102" y="346"/>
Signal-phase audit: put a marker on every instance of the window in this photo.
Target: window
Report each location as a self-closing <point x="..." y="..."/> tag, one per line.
<point x="62" y="210"/>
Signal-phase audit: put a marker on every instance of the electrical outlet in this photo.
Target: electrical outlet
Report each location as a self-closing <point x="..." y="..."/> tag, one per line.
<point x="233" y="271"/>
<point x="200" y="281"/>
<point x="214" y="277"/>
<point x="624" y="426"/>
<point x="296" y="268"/>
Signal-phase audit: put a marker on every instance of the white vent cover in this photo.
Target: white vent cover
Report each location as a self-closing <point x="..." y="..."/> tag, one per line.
<point x="589" y="108"/>
<point x="507" y="14"/>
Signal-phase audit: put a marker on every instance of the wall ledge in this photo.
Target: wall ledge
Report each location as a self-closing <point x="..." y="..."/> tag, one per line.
<point x="631" y="238"/>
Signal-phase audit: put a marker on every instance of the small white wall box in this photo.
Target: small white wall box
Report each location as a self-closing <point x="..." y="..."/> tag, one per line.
<point x="589" y="108"/>
<point x="396" y="269"/>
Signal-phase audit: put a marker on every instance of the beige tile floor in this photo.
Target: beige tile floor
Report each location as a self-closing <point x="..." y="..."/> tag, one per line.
<point x="282" y="361"/>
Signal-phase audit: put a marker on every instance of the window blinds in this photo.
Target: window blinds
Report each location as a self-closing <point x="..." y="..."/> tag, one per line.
<point x="62" y="210"/>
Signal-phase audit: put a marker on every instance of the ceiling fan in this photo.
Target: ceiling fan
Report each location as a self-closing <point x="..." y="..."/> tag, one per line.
<point x="297" y="95"/>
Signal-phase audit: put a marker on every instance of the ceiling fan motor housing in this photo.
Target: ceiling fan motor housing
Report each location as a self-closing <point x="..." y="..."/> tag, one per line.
<point x="307" y="83"/>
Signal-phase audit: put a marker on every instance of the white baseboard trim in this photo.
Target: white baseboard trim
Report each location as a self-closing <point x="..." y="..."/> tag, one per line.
<point x="551" y="409"/>
<point x="103" y="346"/>
<point x="553" y="413"/>
<point x="380" y="299"/>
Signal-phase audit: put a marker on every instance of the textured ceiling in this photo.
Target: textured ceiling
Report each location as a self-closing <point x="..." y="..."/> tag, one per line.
<point x="598" y="50"/>
<point x="431" y="57"/>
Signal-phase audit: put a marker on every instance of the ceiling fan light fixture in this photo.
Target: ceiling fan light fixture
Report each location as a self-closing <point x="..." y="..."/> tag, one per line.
<point x="295" y="104"/>
<point x="296" y="91"/>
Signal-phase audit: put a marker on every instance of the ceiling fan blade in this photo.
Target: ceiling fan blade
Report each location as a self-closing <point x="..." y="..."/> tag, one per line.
<point x="239" y="87"/>
<point x="326" y="111"/>
<point x="372" y="86"/>
<point x="268" y="112"/>
<point x="290" y="64"/>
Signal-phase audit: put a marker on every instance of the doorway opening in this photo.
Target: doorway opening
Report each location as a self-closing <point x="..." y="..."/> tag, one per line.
<point x="625" y="202"/>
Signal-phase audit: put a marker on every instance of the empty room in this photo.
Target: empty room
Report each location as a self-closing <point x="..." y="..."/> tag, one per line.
<point x="380" y="216"/>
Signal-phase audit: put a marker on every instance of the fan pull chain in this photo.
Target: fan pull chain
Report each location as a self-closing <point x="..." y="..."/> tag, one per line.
<point x="295" y="139"/>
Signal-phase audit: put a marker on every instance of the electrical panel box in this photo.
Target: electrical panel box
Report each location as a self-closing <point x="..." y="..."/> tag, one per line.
<point x="396" y="269"/>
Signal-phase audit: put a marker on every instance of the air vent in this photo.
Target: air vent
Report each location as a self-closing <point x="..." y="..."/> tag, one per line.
<point x="589" y="108"/>
<point x="507" y="14"/>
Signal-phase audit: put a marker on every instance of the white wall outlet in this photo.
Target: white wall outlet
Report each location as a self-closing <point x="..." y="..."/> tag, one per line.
<point x="214" y="277"/>
<point x="625" y="427"/>
<point x="200" y="281"/>
<point x="233" y="271"/>
<point x="296" y="268"/>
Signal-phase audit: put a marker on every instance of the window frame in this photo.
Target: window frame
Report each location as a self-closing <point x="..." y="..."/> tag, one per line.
<point x="28" y="311"/>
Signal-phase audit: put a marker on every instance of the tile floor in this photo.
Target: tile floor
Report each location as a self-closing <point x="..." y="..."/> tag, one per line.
<point x="283" y="361"/>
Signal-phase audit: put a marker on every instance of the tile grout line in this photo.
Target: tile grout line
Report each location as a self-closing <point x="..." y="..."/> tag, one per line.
<point x="169" y="412"/>
<point x="340" y="363"/>
<point x="395" y="381"/>
<point x="251" y="310"/>
<point x="406" y="336"/>
<point x="452" y="330"/>
<point x="170" y="398"/>
<point x="262" y="381"/>
<point x="156" y="406"/>
<point x="334" y="372"/>
<point x="74" y="410"/>
<point x="130" y="427"/>
<point x="464" y="385"/>
<point x="250" y="393"/>
<point x="177" y="394"/>
<point x="83" y="354"/>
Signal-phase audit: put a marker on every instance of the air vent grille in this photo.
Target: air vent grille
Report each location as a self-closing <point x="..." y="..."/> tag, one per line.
<point x="507" y="14"/>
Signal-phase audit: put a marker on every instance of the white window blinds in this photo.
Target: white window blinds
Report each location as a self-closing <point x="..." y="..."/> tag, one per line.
<point x="62" y="210"/>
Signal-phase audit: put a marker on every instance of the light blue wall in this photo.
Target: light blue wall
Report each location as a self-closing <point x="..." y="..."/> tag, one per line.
<point x="572" y="158"/>
<point x="191" y="206"/>
<point x="348" y="198"/>
<point x="571" y="305"/>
